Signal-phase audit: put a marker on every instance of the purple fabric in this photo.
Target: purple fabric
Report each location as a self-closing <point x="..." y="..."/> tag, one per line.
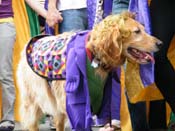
<point x="116" y="96"/>
<point x="6" y="9"/>
<point x="91" y="4"/>
<point x="140" y="7"/>
<point x="77" y="98"/>
<point x="91" y="8"/>
<point x="48" y="30"/>
<point x="77" y="92"/>
<point x="107" y="7"/>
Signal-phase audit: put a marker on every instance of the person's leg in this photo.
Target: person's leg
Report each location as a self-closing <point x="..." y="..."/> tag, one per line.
<point x="119" y="6"/>
<point x="74" y="20"/>
<point x="162" y="25"/>
<point x="172" y="118"/>
<point x="7" y="39"/>
<point x="157" y="115"/>
<point x="138" y="116"/>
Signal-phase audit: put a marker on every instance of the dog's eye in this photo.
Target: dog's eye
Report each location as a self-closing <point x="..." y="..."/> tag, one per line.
<point x="137" y="31"/>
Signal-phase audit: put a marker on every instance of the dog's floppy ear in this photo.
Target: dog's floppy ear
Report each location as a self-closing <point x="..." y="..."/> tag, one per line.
<point x="116" y="41"/>
<point x="106" y="37"/>
<point x="112" y="47"/>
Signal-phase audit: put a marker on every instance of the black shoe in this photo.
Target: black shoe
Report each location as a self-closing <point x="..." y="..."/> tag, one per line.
<point x="7" y="125"/>
<point x="171" y="127"/>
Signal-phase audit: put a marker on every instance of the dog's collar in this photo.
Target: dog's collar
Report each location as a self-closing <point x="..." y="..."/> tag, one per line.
<point x="94" y="62"/>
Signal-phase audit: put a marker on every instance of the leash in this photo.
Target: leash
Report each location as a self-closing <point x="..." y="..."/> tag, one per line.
<point x="110" y="113"/>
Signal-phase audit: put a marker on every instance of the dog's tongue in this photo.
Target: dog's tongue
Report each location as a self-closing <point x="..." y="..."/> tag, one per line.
<point x="148" y="57"/>
<point x="141" y="55"/>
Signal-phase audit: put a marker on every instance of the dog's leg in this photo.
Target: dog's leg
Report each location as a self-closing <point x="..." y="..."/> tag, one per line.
<point x="36" y="96"/>
<point x="30" y="114"/>
<point x="34" y="127"/>
<point x="60" y="122"/>
<point x="29" y="88"/>
<point x="60" y="96"/>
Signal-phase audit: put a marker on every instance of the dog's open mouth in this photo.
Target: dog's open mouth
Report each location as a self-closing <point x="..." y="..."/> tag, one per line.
<point x="140" y="56"/>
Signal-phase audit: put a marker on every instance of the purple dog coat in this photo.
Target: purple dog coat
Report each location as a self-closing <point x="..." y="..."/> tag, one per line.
<point x="46" y="56"/>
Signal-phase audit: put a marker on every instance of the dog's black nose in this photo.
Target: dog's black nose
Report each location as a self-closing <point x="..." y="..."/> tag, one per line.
<point x="159" y="44"/>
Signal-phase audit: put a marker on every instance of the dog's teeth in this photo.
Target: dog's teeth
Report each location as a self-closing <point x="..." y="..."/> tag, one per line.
<point x="134" y="50"/>
<point x="146" y="57"/>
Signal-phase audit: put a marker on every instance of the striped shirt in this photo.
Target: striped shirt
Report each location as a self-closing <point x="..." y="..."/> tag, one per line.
<point x="6" y="9"/>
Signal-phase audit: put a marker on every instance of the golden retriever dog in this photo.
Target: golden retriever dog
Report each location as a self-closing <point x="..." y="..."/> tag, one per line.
<point x="111" y="42"/>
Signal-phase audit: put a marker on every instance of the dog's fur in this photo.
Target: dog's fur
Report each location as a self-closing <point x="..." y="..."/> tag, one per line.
<point x="113" y="40"/>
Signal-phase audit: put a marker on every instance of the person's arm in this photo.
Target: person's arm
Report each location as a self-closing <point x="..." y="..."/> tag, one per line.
<point x="37" y="7"/>
<point x="53" y="15"/>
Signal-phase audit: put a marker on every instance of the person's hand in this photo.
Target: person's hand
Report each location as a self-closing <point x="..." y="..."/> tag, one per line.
<point x="53" y="17"/>
<point x="106" y="128"/>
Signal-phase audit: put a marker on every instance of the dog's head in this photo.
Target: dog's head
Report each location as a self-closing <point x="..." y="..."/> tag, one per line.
<point x="137" y="45"/>
<point x="119" y="37"/>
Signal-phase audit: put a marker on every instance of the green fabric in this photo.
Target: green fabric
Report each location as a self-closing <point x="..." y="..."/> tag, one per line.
<point x="172" y="121"/>
<point x="33" y="21"/>
<point x="96" y="88"/>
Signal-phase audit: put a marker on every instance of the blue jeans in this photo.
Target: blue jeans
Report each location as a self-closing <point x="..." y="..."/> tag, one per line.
<point x="119" y="6"/>
<point x="73" y="20"/>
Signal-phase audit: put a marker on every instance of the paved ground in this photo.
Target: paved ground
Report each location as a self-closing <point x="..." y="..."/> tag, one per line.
<point x="44" y="127"/>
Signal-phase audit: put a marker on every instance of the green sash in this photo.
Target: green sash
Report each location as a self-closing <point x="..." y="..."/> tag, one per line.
<point x="96" y="88"/>
<point x="33" y="21"/>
